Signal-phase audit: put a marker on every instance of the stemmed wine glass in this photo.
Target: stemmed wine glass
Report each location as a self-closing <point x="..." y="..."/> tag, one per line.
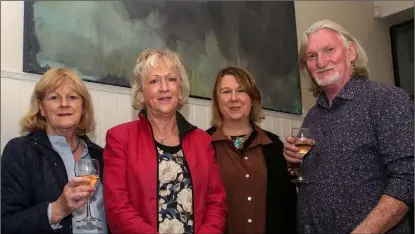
<point x="88" y="168"/>
<point x="304" y="142"/>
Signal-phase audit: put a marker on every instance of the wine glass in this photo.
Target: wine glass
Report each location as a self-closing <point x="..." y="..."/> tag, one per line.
<point x="88" y="168"/>
<point x="304" y="142"/>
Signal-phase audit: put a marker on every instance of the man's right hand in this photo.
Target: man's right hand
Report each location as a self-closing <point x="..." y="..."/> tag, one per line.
<point x="290" y="151"/>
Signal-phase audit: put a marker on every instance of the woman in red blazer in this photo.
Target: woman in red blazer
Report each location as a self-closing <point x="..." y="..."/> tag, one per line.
<point x="160" y="171"/>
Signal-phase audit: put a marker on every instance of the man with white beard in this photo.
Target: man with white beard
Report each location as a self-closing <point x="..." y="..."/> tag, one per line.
<point x="359" y="172"/>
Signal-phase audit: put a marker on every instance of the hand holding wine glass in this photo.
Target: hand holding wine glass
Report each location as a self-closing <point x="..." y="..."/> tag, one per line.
<point x="75" y="194"/>
<point x="88" y="168"/>
<point x="296" y="147"/>
<point x="291" y="152"/>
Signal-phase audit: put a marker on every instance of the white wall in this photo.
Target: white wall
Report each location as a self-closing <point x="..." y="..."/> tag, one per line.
<point x="112" y="103"/>
<point x="111" y="107"/>
<point x="12" y="35"/>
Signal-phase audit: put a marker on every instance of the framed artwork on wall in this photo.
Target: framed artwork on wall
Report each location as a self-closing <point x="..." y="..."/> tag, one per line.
<point x="102" y="39"/>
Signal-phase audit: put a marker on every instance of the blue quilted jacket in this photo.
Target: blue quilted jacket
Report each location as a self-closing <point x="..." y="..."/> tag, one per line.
<point x="32" y="176"/>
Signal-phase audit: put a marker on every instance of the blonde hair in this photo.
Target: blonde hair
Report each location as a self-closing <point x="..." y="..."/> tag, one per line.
<point x="151" y="58"/>
<point x="360" y="67"/>
<point x="247" y="81"/>
<point x="51" y="80"/>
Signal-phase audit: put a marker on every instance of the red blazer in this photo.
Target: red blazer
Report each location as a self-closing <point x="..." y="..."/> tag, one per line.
<point x="130" y="185"/>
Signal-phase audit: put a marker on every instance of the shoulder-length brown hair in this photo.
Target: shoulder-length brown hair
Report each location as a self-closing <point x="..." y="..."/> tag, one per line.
<point x="247" y="82"/>
<point x="51" y="80"/>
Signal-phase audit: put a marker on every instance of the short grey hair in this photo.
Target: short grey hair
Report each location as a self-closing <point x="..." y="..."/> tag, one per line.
<point x="360" y="64"/>
<point x="151" y="58"/>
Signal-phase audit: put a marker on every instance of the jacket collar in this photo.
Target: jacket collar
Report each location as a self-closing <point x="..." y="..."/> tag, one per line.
<point x="183" y="125"/>
<point x="41" y="137"/>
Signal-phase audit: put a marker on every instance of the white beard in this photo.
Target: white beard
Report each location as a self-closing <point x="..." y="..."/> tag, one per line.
<point x="327" y="80"/>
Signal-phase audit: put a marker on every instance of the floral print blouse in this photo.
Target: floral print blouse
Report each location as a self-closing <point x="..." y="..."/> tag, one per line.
<point x="175" y="191"/>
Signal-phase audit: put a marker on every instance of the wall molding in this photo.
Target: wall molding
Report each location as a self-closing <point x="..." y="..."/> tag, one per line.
<point x="6" y="74"/>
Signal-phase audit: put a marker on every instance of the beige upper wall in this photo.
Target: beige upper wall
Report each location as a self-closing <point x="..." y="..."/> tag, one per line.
<point x="387" y="8"/>
<point x="12" y="35"/>
<point x="357" y="18"/>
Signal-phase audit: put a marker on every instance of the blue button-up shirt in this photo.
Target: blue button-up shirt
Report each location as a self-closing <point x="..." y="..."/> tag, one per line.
<point x="364" y="149"/>
<point x="96" y="200"/>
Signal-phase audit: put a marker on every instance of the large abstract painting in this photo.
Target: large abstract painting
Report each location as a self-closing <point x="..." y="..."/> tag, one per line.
<point x="102" y="39"/>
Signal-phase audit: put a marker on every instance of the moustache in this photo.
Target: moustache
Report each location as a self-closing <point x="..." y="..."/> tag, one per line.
<point x="325" y="69"/>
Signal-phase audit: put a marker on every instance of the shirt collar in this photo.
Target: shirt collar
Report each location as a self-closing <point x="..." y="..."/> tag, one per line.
<point x="61" y="146"/>
<point x="218" y="135"/>
<point x="350" y="90"/>
<point x="57" y="141"/>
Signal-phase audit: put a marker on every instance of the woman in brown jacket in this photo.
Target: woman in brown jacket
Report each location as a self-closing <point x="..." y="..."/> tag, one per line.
<point x="260" y="196"/>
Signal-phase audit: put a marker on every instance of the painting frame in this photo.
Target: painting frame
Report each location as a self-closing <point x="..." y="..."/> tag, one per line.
<point x="31" y="48"/>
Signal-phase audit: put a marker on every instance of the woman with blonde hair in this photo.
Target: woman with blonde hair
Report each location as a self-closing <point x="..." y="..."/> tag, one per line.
<point x="39" y="191"/>
<point x="160" y="170"/>
<point x="260" y="196"/>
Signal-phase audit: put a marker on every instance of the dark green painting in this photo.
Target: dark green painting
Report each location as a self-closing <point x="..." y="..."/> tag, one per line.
<point x="102" y="39"/>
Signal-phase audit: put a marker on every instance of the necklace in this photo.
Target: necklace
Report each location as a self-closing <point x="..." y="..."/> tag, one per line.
<point x="238" y="142"/>
<point x="163" y="139"/>
<point x="77" y="145"/>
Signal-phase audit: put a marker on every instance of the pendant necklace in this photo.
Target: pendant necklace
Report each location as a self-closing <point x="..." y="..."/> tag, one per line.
<point x="239" y="141"/>
<point x="165" y="138"/>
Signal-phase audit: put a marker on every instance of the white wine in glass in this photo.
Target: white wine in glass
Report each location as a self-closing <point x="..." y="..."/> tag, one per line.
<point x="93" y="179"/>
<point x="303" y="147"/>
<point x="88" y="168"/>
<point x="304" y="142"/>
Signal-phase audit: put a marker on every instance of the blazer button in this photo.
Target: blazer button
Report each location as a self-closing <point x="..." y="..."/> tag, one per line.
<point x="56" y="165"/>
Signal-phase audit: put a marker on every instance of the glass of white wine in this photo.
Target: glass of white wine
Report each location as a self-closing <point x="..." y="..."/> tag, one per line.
<point x="89" y="168"/>
<point x="304" y="142"/>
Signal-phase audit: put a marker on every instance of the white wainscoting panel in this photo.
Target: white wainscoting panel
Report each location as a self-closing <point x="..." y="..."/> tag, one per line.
<point x="112" y="106"/>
